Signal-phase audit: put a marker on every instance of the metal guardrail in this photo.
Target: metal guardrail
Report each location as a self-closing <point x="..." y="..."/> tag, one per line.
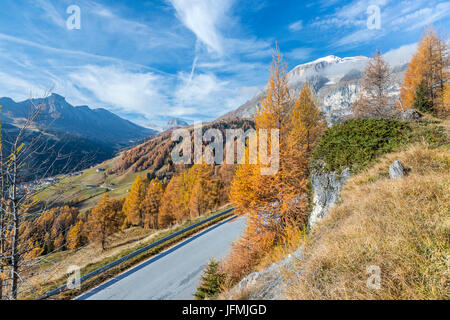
<point x="132" y="255"/>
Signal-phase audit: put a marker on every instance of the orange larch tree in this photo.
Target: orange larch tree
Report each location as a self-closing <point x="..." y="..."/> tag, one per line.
<point x="429" y="66"/>
<point x="132" y="208"/>
<point x="105" y="219"/>
<point x="152" y="203"/>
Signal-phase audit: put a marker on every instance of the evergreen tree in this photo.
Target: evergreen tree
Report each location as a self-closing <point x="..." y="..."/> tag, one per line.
<point x="210" y="282"/>
<point x="76" y="237"/>
<point x="422" y="101"/>
<point x="58" y="244"/>
<point x="446" y="100"/>
<point x="104" y="220"/>
<point x="276" y="203"/>
<point x="171" y="203"/>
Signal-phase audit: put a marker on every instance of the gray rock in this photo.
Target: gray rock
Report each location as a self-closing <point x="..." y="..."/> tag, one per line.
<point x="396" y="170"/>
<point x="410" y="115"/>
<point x="327" y="189"/>
<point x="270" y="283"/>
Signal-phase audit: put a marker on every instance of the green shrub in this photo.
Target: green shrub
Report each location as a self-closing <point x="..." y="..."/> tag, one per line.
<point x="355" y="143"/>
<point x="210" y="282"/>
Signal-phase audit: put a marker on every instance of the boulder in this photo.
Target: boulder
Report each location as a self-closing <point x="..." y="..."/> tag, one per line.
<point x="396" y="170"/>
<point x="269" y="283"/>
<point x="327" y="188"/>
<point x="410" y="115"/>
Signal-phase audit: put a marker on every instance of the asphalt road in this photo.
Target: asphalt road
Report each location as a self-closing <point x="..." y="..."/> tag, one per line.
<point x="174" y="273"/>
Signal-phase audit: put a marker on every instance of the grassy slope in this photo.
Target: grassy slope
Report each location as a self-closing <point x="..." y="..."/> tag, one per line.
<point x="402" y="226"/>
<point x="73" y="189"/>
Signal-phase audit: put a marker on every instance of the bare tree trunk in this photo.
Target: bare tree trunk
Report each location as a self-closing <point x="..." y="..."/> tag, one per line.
<point x="2" y="216"/>
<point x="16" y="201"/>
<point x="2" y="251"/>
<point x="15" y="228"/>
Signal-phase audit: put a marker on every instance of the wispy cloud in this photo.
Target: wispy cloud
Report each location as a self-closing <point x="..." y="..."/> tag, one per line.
<point x="401" y="55"/>
<point x="124" y="90"/>
<point x="296" y="26"/>
<point x="197" y="59"/>
<point x="395" y="16"/>
<point x="204" y="18"/>
<point x="50" y="12"/>
<point x="300" y="53"/>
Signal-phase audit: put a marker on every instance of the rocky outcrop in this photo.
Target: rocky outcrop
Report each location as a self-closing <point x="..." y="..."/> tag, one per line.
<point x="396" y="170"/>
<point x="410" y="115"/>
<point x="270" y="283"/>
<point x="327" y="188"/>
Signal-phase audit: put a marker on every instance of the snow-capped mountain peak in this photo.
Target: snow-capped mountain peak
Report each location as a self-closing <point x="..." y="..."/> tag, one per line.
<point x="334" y="80"/>
<point x="332" y="67"/>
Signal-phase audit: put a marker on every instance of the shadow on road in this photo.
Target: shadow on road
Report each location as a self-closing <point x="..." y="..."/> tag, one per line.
<point x="142" y="265"/>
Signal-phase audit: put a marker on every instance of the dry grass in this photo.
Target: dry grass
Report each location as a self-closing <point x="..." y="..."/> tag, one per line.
<point x="55" y="266"/>
<point x="402" y="226"/>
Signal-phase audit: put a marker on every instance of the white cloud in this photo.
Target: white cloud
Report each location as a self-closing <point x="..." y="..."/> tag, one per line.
<point x="50" y="12"/>
<point x="431" y="15"/>
<point x="204" y="18"/>
<point x="360" y="36"/>
<point x="299" y="53"/>
<point x="296" y="26"/>
<point x="206" y="96"/>
<point x="395" y="16"/>
<point x="350" y="15"/>
<point x="401" y="55"/>
<point x="18" y="88"/>
<point x="138" y="92"/>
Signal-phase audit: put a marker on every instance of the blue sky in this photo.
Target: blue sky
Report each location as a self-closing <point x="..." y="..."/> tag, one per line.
<point x="194" y="59"/>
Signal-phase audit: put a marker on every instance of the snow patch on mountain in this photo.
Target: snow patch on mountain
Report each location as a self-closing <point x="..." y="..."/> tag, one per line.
<point x="335" y="81"/>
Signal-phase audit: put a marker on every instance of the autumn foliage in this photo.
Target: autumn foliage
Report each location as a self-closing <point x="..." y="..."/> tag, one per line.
<point x="193" y="192"/>
<point x="133" y="208"/>
<point x="104" y="220"/>
<point x="51" y="230"/>
<point x="429" y="67"/>
<point x="275" y="203"/>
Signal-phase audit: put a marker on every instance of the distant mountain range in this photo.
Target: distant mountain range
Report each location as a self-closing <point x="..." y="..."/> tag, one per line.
<point x="78" y="136"/>
<point x="171" y="124"/>
<point x="60" y="116"/>
<point x="335" y="81"/>
<point x="175" y="123"/>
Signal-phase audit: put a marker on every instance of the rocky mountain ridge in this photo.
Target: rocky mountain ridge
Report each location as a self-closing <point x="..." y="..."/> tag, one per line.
<point x="57" y="115"/>
<point x="335" y="81"/>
